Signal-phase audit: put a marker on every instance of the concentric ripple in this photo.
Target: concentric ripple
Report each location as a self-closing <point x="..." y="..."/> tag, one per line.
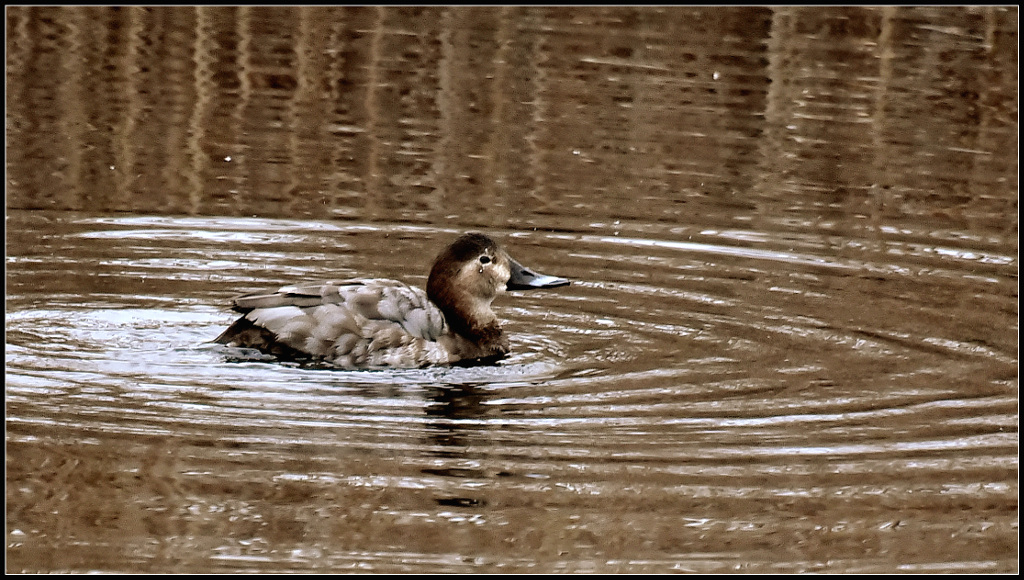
<point x="686" y="384"/>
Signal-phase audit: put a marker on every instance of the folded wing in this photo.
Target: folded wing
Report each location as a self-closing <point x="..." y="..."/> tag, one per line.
<point x="353" y="323"/>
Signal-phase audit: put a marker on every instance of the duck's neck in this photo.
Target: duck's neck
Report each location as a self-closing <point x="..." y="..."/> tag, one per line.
<point x="487" y="333"/>
<point x="477" y="330"/>
<point x="472" y="319"/>
<point x="478" y="342"/>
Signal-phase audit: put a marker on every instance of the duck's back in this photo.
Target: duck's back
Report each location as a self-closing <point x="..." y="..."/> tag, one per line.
<point x="351" y="323"/>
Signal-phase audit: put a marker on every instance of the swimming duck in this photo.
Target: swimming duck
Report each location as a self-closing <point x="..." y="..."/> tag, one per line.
<point x="375" y="323"/>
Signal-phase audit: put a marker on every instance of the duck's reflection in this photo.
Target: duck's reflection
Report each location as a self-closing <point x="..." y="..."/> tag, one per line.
<point x="458" y="412"/>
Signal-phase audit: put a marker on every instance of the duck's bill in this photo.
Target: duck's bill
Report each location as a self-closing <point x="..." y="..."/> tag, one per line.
<point x="523" y="278"/>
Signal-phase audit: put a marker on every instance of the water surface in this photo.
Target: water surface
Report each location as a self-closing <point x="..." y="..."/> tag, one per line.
<point x="706" y="416"/>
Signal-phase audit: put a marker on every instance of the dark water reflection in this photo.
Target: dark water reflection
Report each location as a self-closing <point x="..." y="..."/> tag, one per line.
<point x="790" y="345"/>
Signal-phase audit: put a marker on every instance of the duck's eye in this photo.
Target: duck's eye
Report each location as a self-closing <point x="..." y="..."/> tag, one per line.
<point x="485" y="259"/>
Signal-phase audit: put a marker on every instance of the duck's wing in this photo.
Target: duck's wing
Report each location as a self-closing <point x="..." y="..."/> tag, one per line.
<point x="362" y="299"/>
<point x="344" y="319"/>
<point x="303" y="295"/>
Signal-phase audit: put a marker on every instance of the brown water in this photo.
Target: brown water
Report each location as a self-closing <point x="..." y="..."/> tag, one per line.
<point x="790" y="345"/>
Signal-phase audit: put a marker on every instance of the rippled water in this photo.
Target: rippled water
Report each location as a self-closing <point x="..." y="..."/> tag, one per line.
<point x="737" y="401"/>
<point x="790" y="344"/>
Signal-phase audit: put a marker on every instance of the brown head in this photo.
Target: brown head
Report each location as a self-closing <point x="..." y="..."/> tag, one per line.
<point x="465" y="279"/>
<point x="468" y="275"/>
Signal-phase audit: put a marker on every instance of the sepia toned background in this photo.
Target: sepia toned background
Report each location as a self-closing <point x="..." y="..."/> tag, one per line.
<point x="790" y="345"/>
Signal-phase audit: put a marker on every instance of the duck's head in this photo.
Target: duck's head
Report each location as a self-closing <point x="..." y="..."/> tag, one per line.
<point x="470" y="273"/>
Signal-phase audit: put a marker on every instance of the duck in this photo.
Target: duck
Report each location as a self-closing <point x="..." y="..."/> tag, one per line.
<point x="365" y="323"/>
